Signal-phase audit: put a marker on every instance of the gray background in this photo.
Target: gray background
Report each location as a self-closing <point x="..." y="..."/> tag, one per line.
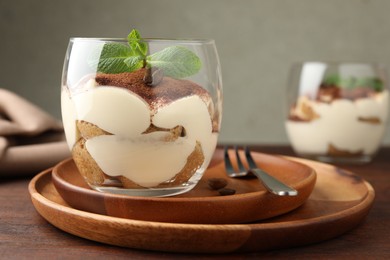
<point x="257" y="42"/>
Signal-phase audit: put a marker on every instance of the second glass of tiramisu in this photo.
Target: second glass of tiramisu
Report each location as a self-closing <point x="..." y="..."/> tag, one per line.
<point x="337" y="112"/>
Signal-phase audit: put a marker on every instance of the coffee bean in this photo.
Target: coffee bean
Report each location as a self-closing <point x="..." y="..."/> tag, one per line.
<point x="217" y="183"/>
<point x="226" y="191"/>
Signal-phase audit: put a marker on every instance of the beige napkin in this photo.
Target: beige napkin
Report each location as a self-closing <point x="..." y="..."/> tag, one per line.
<point x="30" y="139"/>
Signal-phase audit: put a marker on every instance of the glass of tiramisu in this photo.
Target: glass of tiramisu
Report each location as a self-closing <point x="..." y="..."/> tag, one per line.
<point x="337" y="112"/>
<point x="141" y="116"/>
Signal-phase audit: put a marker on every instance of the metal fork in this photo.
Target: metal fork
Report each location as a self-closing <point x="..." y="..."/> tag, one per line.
<point x="270" y="183"/>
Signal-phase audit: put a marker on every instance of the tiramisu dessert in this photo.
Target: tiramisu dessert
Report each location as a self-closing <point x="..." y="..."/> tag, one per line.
<point x="346" y="118"/>
<point x="140" y="128"/>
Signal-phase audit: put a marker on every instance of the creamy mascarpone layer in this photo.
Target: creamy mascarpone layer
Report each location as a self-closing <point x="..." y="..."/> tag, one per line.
<point x="338" y="124"/>
<point x="142" y="158"/>
<point x="146" y="161"/>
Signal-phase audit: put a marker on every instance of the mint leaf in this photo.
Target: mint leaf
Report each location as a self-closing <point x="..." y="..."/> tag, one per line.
<point x="137" y="45"/>
<point x="119" y="58"/>
<point x="134" y="62"/>
<point x="134" y="35"/>
<point x="139" y="48"/>
<point x="176" y="61"/>
<point x="112" y="58"/>
<point x="332" y="80"/>
<point x="376" y="84"/>
<point x="350" y="83"/>
<point x="370" y="82"/>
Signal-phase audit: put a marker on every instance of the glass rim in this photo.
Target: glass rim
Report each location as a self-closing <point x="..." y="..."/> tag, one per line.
<point x="340" y="62"/>
<point x="162" y="40"/>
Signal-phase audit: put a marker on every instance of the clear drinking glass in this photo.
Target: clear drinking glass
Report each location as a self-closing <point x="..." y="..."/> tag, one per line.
<point x="148" y="132"/>
<point x="337" y="112"/>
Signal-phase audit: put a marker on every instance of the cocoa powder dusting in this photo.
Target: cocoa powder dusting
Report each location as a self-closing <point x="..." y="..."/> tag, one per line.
<point x="168" y="90"/>
<point x="328" y="93"/>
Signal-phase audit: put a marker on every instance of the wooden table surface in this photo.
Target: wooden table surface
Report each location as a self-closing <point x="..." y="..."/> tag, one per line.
<point x="24" y="234"/>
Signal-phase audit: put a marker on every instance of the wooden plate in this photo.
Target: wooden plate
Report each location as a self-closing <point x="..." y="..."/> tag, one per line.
<point x="202" y="205"/>
<point x="339" y="202"/>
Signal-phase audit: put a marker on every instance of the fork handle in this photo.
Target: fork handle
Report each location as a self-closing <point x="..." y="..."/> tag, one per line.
<point x="274" y="185"/>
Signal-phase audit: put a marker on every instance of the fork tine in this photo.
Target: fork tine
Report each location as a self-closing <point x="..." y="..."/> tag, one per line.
<point x="271" y="183"/>
<point x="249" y="158"/>
<point x="240" y="166"/>
<point x="228" y="164"/>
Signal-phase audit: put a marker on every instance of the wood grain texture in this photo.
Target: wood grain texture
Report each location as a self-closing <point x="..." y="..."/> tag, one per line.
<point x="251" y="202"/>
<point x="25" y="234"/>
<point x="339" y="202"/>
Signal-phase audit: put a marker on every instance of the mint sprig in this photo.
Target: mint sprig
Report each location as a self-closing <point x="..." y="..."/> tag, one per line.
<point x="174" y="61"/>
<point x="112" y="58"/>
<point x="139" y="47"/>
<point x="352" y="82"/>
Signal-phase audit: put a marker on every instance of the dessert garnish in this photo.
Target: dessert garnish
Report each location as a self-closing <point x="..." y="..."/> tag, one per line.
<point x="173" y="61"/>
<point x="352" y="88"/>
<point x="350" y="83"/>
<point x="335" y="87"/>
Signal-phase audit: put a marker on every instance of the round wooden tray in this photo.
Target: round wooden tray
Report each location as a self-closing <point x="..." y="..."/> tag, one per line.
<point x="339" y="202"/>
<point x="202" y="205"/>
